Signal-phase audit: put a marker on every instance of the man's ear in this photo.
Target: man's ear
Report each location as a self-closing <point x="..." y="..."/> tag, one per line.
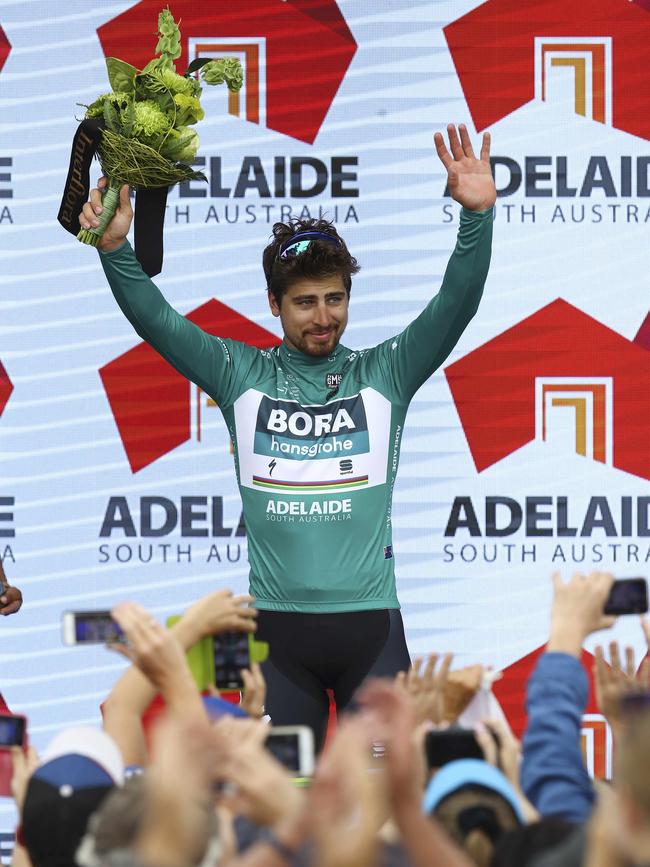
<point x="273" y="304"/>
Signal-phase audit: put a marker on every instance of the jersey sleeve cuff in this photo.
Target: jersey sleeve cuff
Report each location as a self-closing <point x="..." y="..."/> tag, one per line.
<point x="111" y="253"/>
<point x="476" y="215"/>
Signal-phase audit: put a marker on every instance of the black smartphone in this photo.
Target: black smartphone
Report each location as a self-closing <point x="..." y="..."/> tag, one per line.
<point x="628" y="596"/>
<point x="231" y="654"/>
<point x="12" y="730"/>
<point x="91" y="627"/>
<point x="449" y="745"/>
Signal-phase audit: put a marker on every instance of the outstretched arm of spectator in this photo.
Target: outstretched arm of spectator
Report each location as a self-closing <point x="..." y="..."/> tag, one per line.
<point x="553" y="774"/>
<point x="425" y="841"/>
<point x="159" y="656"/>
<point x="217" y="612"/>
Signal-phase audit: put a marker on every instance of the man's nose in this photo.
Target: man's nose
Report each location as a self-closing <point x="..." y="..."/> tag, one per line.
<point x="322" y="315"/>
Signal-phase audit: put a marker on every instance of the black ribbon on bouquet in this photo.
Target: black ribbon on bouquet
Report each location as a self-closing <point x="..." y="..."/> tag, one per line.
<point x="149" y="204"/>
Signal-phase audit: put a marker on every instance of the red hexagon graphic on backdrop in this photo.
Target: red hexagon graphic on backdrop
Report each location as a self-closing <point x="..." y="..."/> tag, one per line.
<point x="6" y="387"/>
<point x="295" y="53"/>
<point x="557" y="360"/>
<point x="504" y="50"/>
<point x="5" y="48"/>
<point x="151" y="401"/>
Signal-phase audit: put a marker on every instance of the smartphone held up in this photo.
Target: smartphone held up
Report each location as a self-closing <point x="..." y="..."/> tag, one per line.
<point x="91" y="627"/>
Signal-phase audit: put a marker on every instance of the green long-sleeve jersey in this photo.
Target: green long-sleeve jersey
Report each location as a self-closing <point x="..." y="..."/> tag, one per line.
<point x="317" y="439"/>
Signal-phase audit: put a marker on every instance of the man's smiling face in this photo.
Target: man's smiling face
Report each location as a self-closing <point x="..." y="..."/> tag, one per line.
<point x="313" y="314"/>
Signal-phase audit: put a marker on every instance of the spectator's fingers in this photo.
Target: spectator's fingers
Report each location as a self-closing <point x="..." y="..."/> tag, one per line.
<point x="429" y="668"/>
<point x="258" y="675"/>
<point x="643" y="675"/>
<point x="487" y="744"/>
<point x="443" y="671"/>
<point x="413" y="682"/>
<point x="630" y="664"/>
<point x="615" y="657"/>
<point x="601" y="670"/>
<point x="645" y="625"/>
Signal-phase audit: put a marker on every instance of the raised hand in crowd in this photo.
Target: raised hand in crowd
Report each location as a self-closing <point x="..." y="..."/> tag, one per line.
<point x="426" y="684"/>
<point x="577" y="611"/>
<point x="217" y="612"/>
<point x="179" y="814"/>
<point x="254" y="692"/>
<point x="553" y="774"/>
<point x="346" y="802"/>
<point x="10" y="597"/>
<point x="159" y="656"/>
<point x="502" y="750"/>
<point x="422" y="836"/>
<point x="617" y="679"/>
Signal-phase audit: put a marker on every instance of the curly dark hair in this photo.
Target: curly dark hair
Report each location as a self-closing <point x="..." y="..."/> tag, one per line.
<point x="321" y="259"/>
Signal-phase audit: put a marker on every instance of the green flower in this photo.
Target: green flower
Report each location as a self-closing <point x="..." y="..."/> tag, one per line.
<point x="119" y="100"/>
<point x="169" y="42"/>
<point x="227" y="69"/>
<point x="188" y="110"/>
<point x="149" y="120"/>
<point x="178" y="83"/>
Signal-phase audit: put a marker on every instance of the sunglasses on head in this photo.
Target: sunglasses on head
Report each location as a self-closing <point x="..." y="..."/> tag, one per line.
<point x="297" y="244"/>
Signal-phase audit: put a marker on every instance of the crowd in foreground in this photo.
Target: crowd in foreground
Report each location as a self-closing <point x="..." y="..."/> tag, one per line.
<point x="206" y="791"/>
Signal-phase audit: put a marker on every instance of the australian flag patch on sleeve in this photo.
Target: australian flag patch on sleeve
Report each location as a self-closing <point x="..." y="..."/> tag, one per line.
<point x="388" y="552"/>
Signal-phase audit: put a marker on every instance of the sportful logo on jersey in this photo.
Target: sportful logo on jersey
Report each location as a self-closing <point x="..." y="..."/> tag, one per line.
<point x="272" y="38"/>
<point x="286" y="429"/>
<point x="542" y="379"/>
<point x="6" y="387"/>
<point x="602" y="45"/>
<point x="152" y="403"/>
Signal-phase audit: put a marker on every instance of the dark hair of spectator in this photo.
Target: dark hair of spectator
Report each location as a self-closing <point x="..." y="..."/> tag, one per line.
<point x="476" y="818"/>
<point x="522" y="844"/>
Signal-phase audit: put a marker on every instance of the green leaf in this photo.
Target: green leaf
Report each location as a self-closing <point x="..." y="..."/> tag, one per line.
<point x="121" y="75"/>
<point x="153" y="66"/>
<point x="175" y="145"/>
<point x="151" y="87"/>
<point x="128" y="120"/>
<point x="112" y="118"/>
<point x="197" y="63"/>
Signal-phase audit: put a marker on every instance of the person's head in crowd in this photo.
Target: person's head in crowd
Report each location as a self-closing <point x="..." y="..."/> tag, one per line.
<point x="475" y="804"/>
<point x="631" y="814"/>
<point x="80" y="767"/>
<point x="114" y="829"/>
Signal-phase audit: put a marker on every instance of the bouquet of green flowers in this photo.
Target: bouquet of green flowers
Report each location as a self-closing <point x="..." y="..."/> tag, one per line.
<point x="147" y="137"/>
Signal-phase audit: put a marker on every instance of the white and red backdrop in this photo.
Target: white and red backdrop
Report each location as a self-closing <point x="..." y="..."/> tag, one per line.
<point x="528" y="452"/>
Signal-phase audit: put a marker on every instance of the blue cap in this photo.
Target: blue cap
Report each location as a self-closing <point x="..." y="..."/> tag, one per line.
<point x="469" y="772"/>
